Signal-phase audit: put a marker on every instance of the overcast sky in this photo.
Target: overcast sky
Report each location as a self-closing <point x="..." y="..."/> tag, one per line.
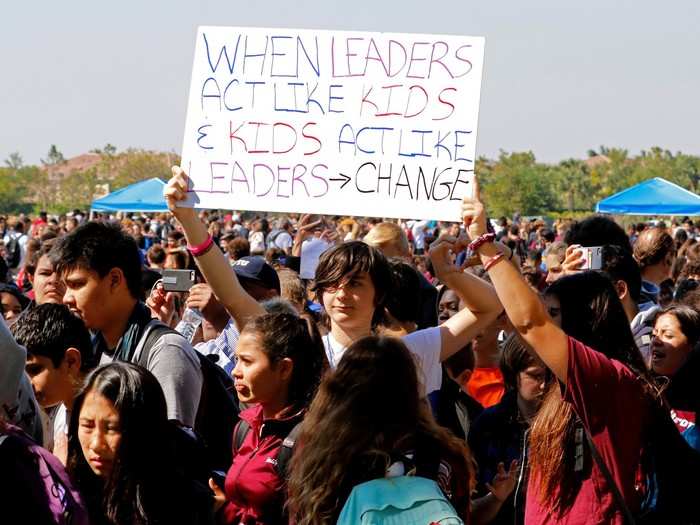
<point x="559" y="79"/>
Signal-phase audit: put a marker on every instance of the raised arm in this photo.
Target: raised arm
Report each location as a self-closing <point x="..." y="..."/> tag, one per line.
<point x="304" y="226"/>
<point x="523" y="306"/>
<point x="481" y="306"/>
<point x="218" y="273"/>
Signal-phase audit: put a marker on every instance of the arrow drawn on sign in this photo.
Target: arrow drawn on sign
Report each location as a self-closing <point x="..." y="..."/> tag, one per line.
<point x="344" y="178"/>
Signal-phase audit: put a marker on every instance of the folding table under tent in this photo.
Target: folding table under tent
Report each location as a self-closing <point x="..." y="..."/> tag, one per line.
<point x="144" y="196"/>
<point x="655" y="196"/>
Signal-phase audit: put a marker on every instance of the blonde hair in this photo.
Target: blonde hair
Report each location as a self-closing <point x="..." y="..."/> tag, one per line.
<point x="292" y="288"/>
<point x="557" y="248"/>
<point x="387" y="236"/>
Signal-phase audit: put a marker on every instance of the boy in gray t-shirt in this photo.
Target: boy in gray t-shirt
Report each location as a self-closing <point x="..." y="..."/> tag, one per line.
<point x="101" y="267"/>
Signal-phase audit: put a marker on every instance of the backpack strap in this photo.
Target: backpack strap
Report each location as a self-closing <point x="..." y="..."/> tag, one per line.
<point x="629" y="519"/>
<point x="239" y="433"/>
<point x="272" y="237"/>
<point x="154" y="331"/>
<point x="518" y="492"/>
<point x="284" y="454"/>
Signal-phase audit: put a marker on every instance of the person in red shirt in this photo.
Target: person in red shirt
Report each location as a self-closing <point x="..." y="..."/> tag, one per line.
<point x="279" y="362"/>
<point x="603" y="388"/>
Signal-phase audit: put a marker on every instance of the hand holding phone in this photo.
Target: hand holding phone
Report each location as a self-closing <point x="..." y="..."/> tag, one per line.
<point x="579" y="258"/>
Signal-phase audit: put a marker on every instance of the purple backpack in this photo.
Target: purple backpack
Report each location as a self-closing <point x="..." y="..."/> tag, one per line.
<point x="43" y="475"/>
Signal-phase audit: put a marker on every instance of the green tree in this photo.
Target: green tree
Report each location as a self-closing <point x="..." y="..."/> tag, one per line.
<point x="136" y="165"/>
<point x="687" y="172"/>
<point x="109" y="150"/>
<point x="14" y="161"/>
<point x="15" y="196"/>
<point x="77" y="190"/>
<point x="53" y="157"/>
<point x="517" y="183"/>
<point x="41" y="191"/>
<point x="613" y="176"/>
<point x="572" y="181"/>
<point x="682" y="169"/>
<point x="8" y="186"/>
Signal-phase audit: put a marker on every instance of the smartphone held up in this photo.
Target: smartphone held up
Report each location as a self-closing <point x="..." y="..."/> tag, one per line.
<point x="593" y="257"/>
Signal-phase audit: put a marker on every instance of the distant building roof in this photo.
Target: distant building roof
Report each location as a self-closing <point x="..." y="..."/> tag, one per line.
<point x="596" y="160"/>
<point x="79" y="163"/>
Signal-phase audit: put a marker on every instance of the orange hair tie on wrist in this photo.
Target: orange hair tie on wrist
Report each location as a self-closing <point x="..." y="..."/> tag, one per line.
<point x="493" y="261"/>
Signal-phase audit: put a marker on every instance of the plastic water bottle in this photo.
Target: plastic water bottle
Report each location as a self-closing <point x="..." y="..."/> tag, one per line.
<point x="191" y="320"/>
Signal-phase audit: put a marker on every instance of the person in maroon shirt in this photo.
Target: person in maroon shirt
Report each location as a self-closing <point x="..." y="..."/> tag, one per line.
<point x="603" y="387"/>
<point x="279" y="362"/>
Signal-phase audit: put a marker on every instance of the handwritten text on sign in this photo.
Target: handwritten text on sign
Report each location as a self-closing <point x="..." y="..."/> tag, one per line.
<point x="342" y="123"/>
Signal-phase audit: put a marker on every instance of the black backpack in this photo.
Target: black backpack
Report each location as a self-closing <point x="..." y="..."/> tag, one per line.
<point x="13" y="252"/>
<point x="218" y="406"/>
<point x="284" y="454"/>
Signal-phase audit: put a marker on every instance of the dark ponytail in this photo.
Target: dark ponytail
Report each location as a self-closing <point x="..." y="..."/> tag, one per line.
<point x="287" y="336"/>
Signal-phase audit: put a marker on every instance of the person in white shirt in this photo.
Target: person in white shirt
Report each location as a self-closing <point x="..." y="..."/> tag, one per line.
<point x="418" y="231"/>
<point x="256" y="238"/>
<point x="353" y="281"/>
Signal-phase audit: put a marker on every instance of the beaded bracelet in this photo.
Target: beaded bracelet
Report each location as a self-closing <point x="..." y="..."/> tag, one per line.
<point x="481" y="240"/>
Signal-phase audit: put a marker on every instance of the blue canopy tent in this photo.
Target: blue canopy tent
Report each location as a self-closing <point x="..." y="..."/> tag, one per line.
<point x="144" y="196"/>
<point x="652" y="197"/>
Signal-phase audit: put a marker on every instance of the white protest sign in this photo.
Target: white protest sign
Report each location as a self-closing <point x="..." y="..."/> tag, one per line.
<point x="332" y="122"/>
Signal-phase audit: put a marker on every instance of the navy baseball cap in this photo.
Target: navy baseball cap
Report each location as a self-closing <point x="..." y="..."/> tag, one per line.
<point x="255" y="268"/>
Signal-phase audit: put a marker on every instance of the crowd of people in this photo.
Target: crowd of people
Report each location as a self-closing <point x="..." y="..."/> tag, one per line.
<point x="480" y="371"/>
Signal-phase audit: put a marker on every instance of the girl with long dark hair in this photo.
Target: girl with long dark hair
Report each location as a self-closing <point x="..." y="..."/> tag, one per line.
<point x="370" y="421"/>
<point x="367" y="416"/>
<point x="121" y="452"/>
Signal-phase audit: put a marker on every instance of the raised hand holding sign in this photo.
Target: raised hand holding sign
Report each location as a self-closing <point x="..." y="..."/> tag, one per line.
<point x="347" y="123"/>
